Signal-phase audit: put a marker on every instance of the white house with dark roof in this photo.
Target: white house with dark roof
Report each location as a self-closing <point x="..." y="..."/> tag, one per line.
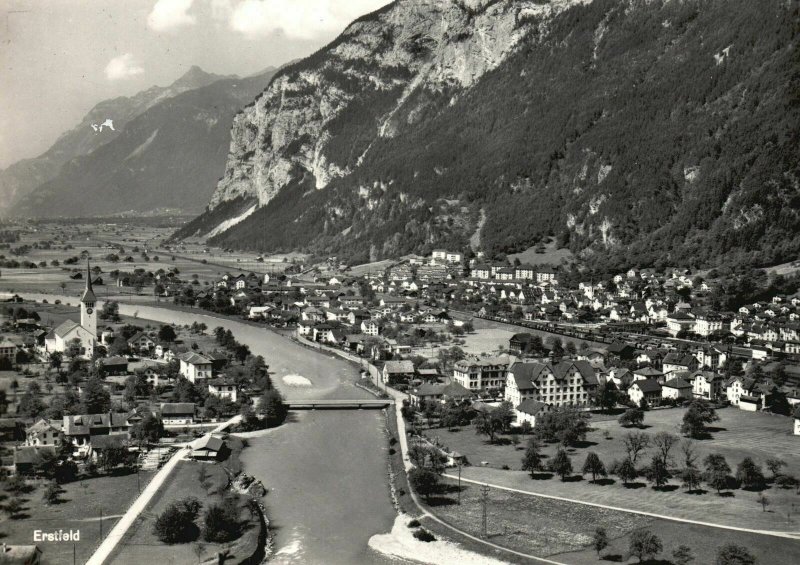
<point x="676" y="389"/>
<point x="223" y="387"/>
<point x="177" y="413"/>
<point x="647" y="389"/>
<point x="194" y="366"/>
<point x="528" y="410"/>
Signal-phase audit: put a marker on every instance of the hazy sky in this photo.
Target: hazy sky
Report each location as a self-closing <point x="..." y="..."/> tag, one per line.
<point x="58" y="58"/>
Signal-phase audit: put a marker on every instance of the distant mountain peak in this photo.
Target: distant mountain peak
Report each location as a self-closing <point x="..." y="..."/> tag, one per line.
<point x="196" y="77"/>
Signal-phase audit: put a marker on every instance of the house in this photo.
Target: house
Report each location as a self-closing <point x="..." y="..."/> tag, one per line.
<point x="11" y="430"/>
<point x="44" y="432"/>
<point x="528" y="410"/>
<point x="195" y="367"/>
<point x="621" y="350"/>
<point x="676" y="389"/>
<point x="676" y="361"/>
<point x="114" y="365"/>
<point x="177" y="413"/>
<point x="481" y="374"/>
<point x="438" y="393"/>
<point x="140" y="342"/>
<point x="680" y="321"/>
<point x="20" y="554"/>
<point x="370" y="327"/>
<point x="647" y="389"/>
<point x="209" y="448"/>
<point x="223" y="388"/>
<point x="81" y="429"/>
<point x="27" y="457"/>
<point x="708" y="385"/>
<point x="397" y="371"/>
<point x="523" y="343"/>
<point x="8" y="350"/>
<point x="569" y="383"/>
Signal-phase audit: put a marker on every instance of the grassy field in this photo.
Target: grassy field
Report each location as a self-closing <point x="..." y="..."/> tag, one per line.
<point x="140" y="544"/>
<point x="551" y="255"/>
<point x="81" y="506"/>
<point x="738" y="434"/>
<point x="563" y="531"/>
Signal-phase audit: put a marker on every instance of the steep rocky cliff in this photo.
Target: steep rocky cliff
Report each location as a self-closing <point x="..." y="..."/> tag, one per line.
<point x="376" y="72"/>
<point x="632" y="131"/>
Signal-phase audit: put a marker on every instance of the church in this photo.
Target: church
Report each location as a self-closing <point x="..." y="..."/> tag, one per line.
<point x="61" y="338"/>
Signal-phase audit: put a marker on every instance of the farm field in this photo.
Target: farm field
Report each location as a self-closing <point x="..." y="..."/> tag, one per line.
<point x="737" y="435"/>
<point x="82" y="505"/>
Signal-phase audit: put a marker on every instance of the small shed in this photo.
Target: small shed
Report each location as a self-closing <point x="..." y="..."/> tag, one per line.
<point x="209" y="448"/>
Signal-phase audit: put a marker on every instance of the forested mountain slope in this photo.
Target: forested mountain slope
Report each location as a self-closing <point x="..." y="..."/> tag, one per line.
<point x="635" y="132"/>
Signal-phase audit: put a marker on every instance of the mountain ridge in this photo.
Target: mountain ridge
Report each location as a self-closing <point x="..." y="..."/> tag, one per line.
<point x="634" y="132"/>
<point x="20" y="178"/>
<point x="167" y="156"/>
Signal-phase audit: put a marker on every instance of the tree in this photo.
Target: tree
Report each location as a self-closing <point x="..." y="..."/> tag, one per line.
<point x="114" y="456"/>
<point x="732" y="554"/>
<point x="607" y="396"/>
<point x="532" y="461"/>
<point x="51" y="493"/>
<point x="635" y="443"/>
<point x="423" y="481"/>
<point x="763" y="501"/>
<point x="626" y="471"/>
<point x="13" y="508"/>
<point x="272" y="407"/>
<point x="663" y="443"/>
<point x="749" y="474"/>
<point x="31" y="404"/>
<point x="221" y="522"/>
<point x="167" y="333"/>
<point x="486" y="425"/>
<point x="594" y="465"/>
<point x="689" y="453"/>
<point x="645" y="544"/>
<point x="774" y="465"/>
<point x="599" y="540"/>
<point x="682" y="555"/>
<point x="716" y="471"/>
<point x="632" y="417"/>
<point x="95" y="398"/>
<point x="176" y="523"/>
<point x="657" y="471"/>
<point x="149" y="430"/>
<point x="561" y="464"/>
<point x="699" y="414"/>
<point x="526" y="428"/>
<point x="691" y="478"/>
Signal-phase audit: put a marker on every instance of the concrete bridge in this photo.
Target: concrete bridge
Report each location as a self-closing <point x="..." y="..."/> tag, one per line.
<point x="360" y="404"/>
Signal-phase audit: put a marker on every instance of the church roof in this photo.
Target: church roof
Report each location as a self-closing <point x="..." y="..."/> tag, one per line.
<point x="66" y="327"/>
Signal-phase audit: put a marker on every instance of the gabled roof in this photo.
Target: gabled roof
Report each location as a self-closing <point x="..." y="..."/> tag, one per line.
<point x="177" y="408"/>
<point x="84" y="424"/>
<point x="401" y="367"/>
<point x="531" y="406"/>
<point x="209" y="443"/>
<point x="194" y="358"/>
<point x="678" y="383"/>
<point x="66" y="327"/>
<point x="647" y="385"/>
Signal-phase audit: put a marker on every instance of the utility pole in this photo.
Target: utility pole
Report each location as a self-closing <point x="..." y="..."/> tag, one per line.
<point x="459" y="482"/>
<point x="484" y="504"/>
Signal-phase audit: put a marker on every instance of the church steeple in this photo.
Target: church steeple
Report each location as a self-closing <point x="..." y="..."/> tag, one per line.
<point x="88" y="293"/>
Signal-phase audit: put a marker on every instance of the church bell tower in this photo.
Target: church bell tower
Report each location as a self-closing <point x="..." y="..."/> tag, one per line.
<point x="88" y="304"/>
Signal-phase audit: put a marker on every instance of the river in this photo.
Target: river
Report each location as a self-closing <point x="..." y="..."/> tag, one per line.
<point x="326" y="471"/>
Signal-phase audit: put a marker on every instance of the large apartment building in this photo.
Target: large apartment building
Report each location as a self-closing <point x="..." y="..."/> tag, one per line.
<point x="481" y="374"/>
<point x="569" y="383"/>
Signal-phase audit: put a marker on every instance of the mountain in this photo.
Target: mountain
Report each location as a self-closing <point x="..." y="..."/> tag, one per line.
<point x="168" y="156"/>
<point x="21" y="178"/>
<point x="633" y="132"/>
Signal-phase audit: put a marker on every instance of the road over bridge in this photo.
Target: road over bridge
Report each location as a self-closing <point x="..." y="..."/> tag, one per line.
<point x="358" y="404"/>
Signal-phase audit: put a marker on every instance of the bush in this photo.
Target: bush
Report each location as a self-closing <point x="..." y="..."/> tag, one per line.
<point x="176" y="523"/>
<point x="424" y="535"/>
<point x="221" y="522"/>
<point x="414" y="523"/>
